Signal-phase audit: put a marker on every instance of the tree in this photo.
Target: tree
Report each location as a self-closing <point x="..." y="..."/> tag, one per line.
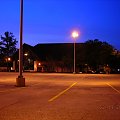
<point x="97" y="52"/>
<point x="7" y="49"/>
<point x="8" y="44"/>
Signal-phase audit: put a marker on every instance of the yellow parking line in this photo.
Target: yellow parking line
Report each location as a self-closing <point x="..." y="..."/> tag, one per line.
<point x="61" y="93"/>
<point x="113" y="88"/>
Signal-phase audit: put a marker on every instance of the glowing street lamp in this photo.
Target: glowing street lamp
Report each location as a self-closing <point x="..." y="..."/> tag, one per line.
<point x="74" y="35"/>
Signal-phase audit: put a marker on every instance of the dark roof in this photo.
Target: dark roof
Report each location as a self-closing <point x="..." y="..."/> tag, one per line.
<point x="30" y="50"/>
<point x="55" y="51"/>
<point x="52" y="51"/>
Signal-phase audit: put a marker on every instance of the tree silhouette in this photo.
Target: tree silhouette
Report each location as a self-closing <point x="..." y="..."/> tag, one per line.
<point x="97" y="52"/>
<point x="8" y="44"/>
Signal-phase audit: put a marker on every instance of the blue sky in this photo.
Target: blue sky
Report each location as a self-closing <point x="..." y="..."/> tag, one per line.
<point x="52" y="21"/>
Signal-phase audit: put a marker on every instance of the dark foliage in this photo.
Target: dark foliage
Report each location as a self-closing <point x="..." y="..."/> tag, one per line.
<point x="97" y="52"/>
<point x="8" y="44"/>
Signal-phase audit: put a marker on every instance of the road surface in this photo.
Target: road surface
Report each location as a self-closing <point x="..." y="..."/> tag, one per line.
<point x="60" y="97"/>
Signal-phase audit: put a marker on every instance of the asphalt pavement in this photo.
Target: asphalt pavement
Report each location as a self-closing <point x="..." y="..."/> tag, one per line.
<point x="52" y="96"/>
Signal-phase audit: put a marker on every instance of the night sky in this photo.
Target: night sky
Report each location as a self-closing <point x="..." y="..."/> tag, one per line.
<point x="52" y="21"/>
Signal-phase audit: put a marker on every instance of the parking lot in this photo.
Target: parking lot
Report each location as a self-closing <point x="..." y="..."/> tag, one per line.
<point x="52" y="96"/>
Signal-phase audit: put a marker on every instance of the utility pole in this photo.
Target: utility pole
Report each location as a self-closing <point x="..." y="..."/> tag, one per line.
<point x="20" y="81"/>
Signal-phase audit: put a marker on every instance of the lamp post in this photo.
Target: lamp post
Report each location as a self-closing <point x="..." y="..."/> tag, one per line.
<point x="20" y="81"/>
<point x="9" y="59"/>
<point x="74" y="35"/>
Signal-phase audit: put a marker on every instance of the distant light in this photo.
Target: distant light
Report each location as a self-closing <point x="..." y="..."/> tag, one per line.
<point x="29" y="60"/>
<point x="75" y="34"/>
<point x="26" y="54"/>
<point x="39" y="63"/>
<point x="9" y="59"/>
<point x="11" y="68"/>
<point x="118" y="69"/>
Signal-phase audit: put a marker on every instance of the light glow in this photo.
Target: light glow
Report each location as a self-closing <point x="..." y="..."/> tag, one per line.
<point x="26" y="54"/>
<point x="75" y="34"/>
<point x="9" y="59"/>
<point x="39" y="64"/>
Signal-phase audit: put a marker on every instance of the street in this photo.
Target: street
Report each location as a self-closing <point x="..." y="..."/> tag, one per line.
<point x="56" y="96"/>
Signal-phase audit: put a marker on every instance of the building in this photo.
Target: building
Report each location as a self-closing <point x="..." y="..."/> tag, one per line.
<point x="59" y="57"/>
<point x="49" y="57"/>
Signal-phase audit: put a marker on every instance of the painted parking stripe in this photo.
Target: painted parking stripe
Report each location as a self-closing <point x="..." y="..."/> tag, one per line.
<point x="61" y="93"/>
<point x="113" y="88"/>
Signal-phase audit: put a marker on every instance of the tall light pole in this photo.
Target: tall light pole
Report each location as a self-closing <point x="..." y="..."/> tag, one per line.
<point x="74" y="35"/>
<point x="20" y="81"/>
